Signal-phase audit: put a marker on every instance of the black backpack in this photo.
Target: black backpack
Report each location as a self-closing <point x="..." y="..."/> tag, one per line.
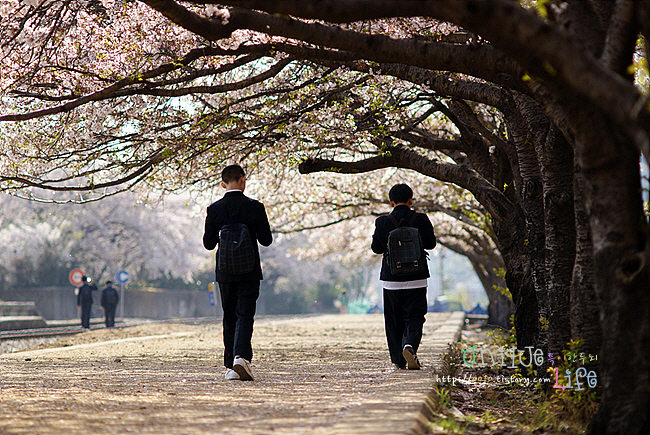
<point x="405" y="253"/>
<point x="236" y="255"/>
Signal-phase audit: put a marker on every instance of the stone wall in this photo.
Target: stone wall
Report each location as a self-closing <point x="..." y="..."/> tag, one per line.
<point x="60" y="303"/>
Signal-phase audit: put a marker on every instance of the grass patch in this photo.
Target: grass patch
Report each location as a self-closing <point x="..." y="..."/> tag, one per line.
<point x="502" y="400"/>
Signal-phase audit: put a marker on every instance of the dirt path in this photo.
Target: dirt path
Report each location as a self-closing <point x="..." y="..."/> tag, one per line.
<point x="325" y="374"/>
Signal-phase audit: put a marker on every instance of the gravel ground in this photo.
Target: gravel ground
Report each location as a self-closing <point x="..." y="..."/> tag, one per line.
<point x="325" y="374"/>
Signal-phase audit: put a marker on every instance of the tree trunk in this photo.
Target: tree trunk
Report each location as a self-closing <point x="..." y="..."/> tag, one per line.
<point x="556" y="159"/>
<point x="500" y="306"/>
<point x="510" y="239"/>
<point x="585" y="319"/>
<point x="527" y="126"/>
<point x="621" y="254"/>
<point x="519" y="281"/>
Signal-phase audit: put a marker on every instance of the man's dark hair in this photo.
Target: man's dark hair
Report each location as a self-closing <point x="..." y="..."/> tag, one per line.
<point x="84" y="278"/>
<point x="400" y="193"/>
<point x="232" y="173"/>
<point x="109" y="282"/>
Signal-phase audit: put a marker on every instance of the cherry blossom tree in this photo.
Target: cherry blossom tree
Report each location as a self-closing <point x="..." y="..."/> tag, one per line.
<point x="101" y="238"/>
<point x="547" y="126"/>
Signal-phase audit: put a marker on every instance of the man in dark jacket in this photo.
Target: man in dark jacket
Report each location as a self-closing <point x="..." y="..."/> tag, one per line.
<point x="85" y="300"/>
<point x="109" y="301"/>
<point x="239" y="292"/>
<point x="405" y="296"/>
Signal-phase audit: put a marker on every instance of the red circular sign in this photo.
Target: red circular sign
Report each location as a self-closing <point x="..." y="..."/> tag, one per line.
<point x="75" y="277"/>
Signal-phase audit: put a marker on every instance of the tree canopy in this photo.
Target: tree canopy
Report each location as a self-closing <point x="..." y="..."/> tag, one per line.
<point x="531" y="106"/>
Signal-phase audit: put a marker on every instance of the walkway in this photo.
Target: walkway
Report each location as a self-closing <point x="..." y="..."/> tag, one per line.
<point x="325" y="374"/>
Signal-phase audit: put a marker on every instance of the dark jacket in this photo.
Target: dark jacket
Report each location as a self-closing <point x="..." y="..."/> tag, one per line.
<point x="245" y="210"/>
<point x="110" y="296"/>
<point x="384" y="225"/>
<point x="85" y="295"/>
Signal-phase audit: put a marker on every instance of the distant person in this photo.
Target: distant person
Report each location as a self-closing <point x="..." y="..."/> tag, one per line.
<point x="236" y="223"/>
<point x="402" y="236"/>
<point x="109" y="301"/>
<point x="343" y="300"/>
<point x="85" y="300"/>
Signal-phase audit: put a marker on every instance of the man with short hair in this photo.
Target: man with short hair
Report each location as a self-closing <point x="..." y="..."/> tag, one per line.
<point x="85" y="300"/>
<point x="109" y="301"/>
<point x="239" y="290"/>
<point x="405" y="296"/>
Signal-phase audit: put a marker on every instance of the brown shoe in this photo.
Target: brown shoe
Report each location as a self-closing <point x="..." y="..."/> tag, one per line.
<point x="412" y="362"/>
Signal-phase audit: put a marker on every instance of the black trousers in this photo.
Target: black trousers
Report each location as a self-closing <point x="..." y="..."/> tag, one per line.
<point x="238" y="300"/>
<point x="404" y="312"/>
<point x="109" y="315"/>
<point x="85" y="314"/>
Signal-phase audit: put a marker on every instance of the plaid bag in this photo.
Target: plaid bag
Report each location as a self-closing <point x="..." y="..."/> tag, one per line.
<point x="405" y="253"/>
<point x="236" y="255"/>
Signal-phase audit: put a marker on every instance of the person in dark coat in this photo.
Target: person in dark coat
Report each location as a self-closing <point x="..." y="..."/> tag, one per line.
<point x="109" y="301"/>
<point x="85" y="300"/>
<point x="239" y="292"/>
<point x="405" y="297"/>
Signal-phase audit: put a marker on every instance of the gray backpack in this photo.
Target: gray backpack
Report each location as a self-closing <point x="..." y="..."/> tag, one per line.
<point x="405" y="253"/>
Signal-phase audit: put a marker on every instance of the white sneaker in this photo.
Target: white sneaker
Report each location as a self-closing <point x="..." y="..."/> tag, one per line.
<point x="232" y="375"/>
<point x="243" y="369"/>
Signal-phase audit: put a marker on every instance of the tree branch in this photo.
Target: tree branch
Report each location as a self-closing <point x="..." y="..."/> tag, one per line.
<point x="540" y="47"/>
<point x="334" y="11"/>
<point x="488" y="195"/>
<point x="156" y="158"/>
<point x="227" y="87"/>
<point x="621" y="37"/>
<point x="479" y="61"/>
<point x="429" y="142"/>
<point x="110" y="91"/>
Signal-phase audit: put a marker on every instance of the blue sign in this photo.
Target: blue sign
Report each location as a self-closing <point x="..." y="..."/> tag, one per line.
<point x="211" y="298"/>
<point x="122" y="276"/>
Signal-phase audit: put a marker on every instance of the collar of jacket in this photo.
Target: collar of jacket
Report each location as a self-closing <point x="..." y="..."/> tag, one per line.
<point x="234" y="193"/>
<point x="399" y="208"/>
